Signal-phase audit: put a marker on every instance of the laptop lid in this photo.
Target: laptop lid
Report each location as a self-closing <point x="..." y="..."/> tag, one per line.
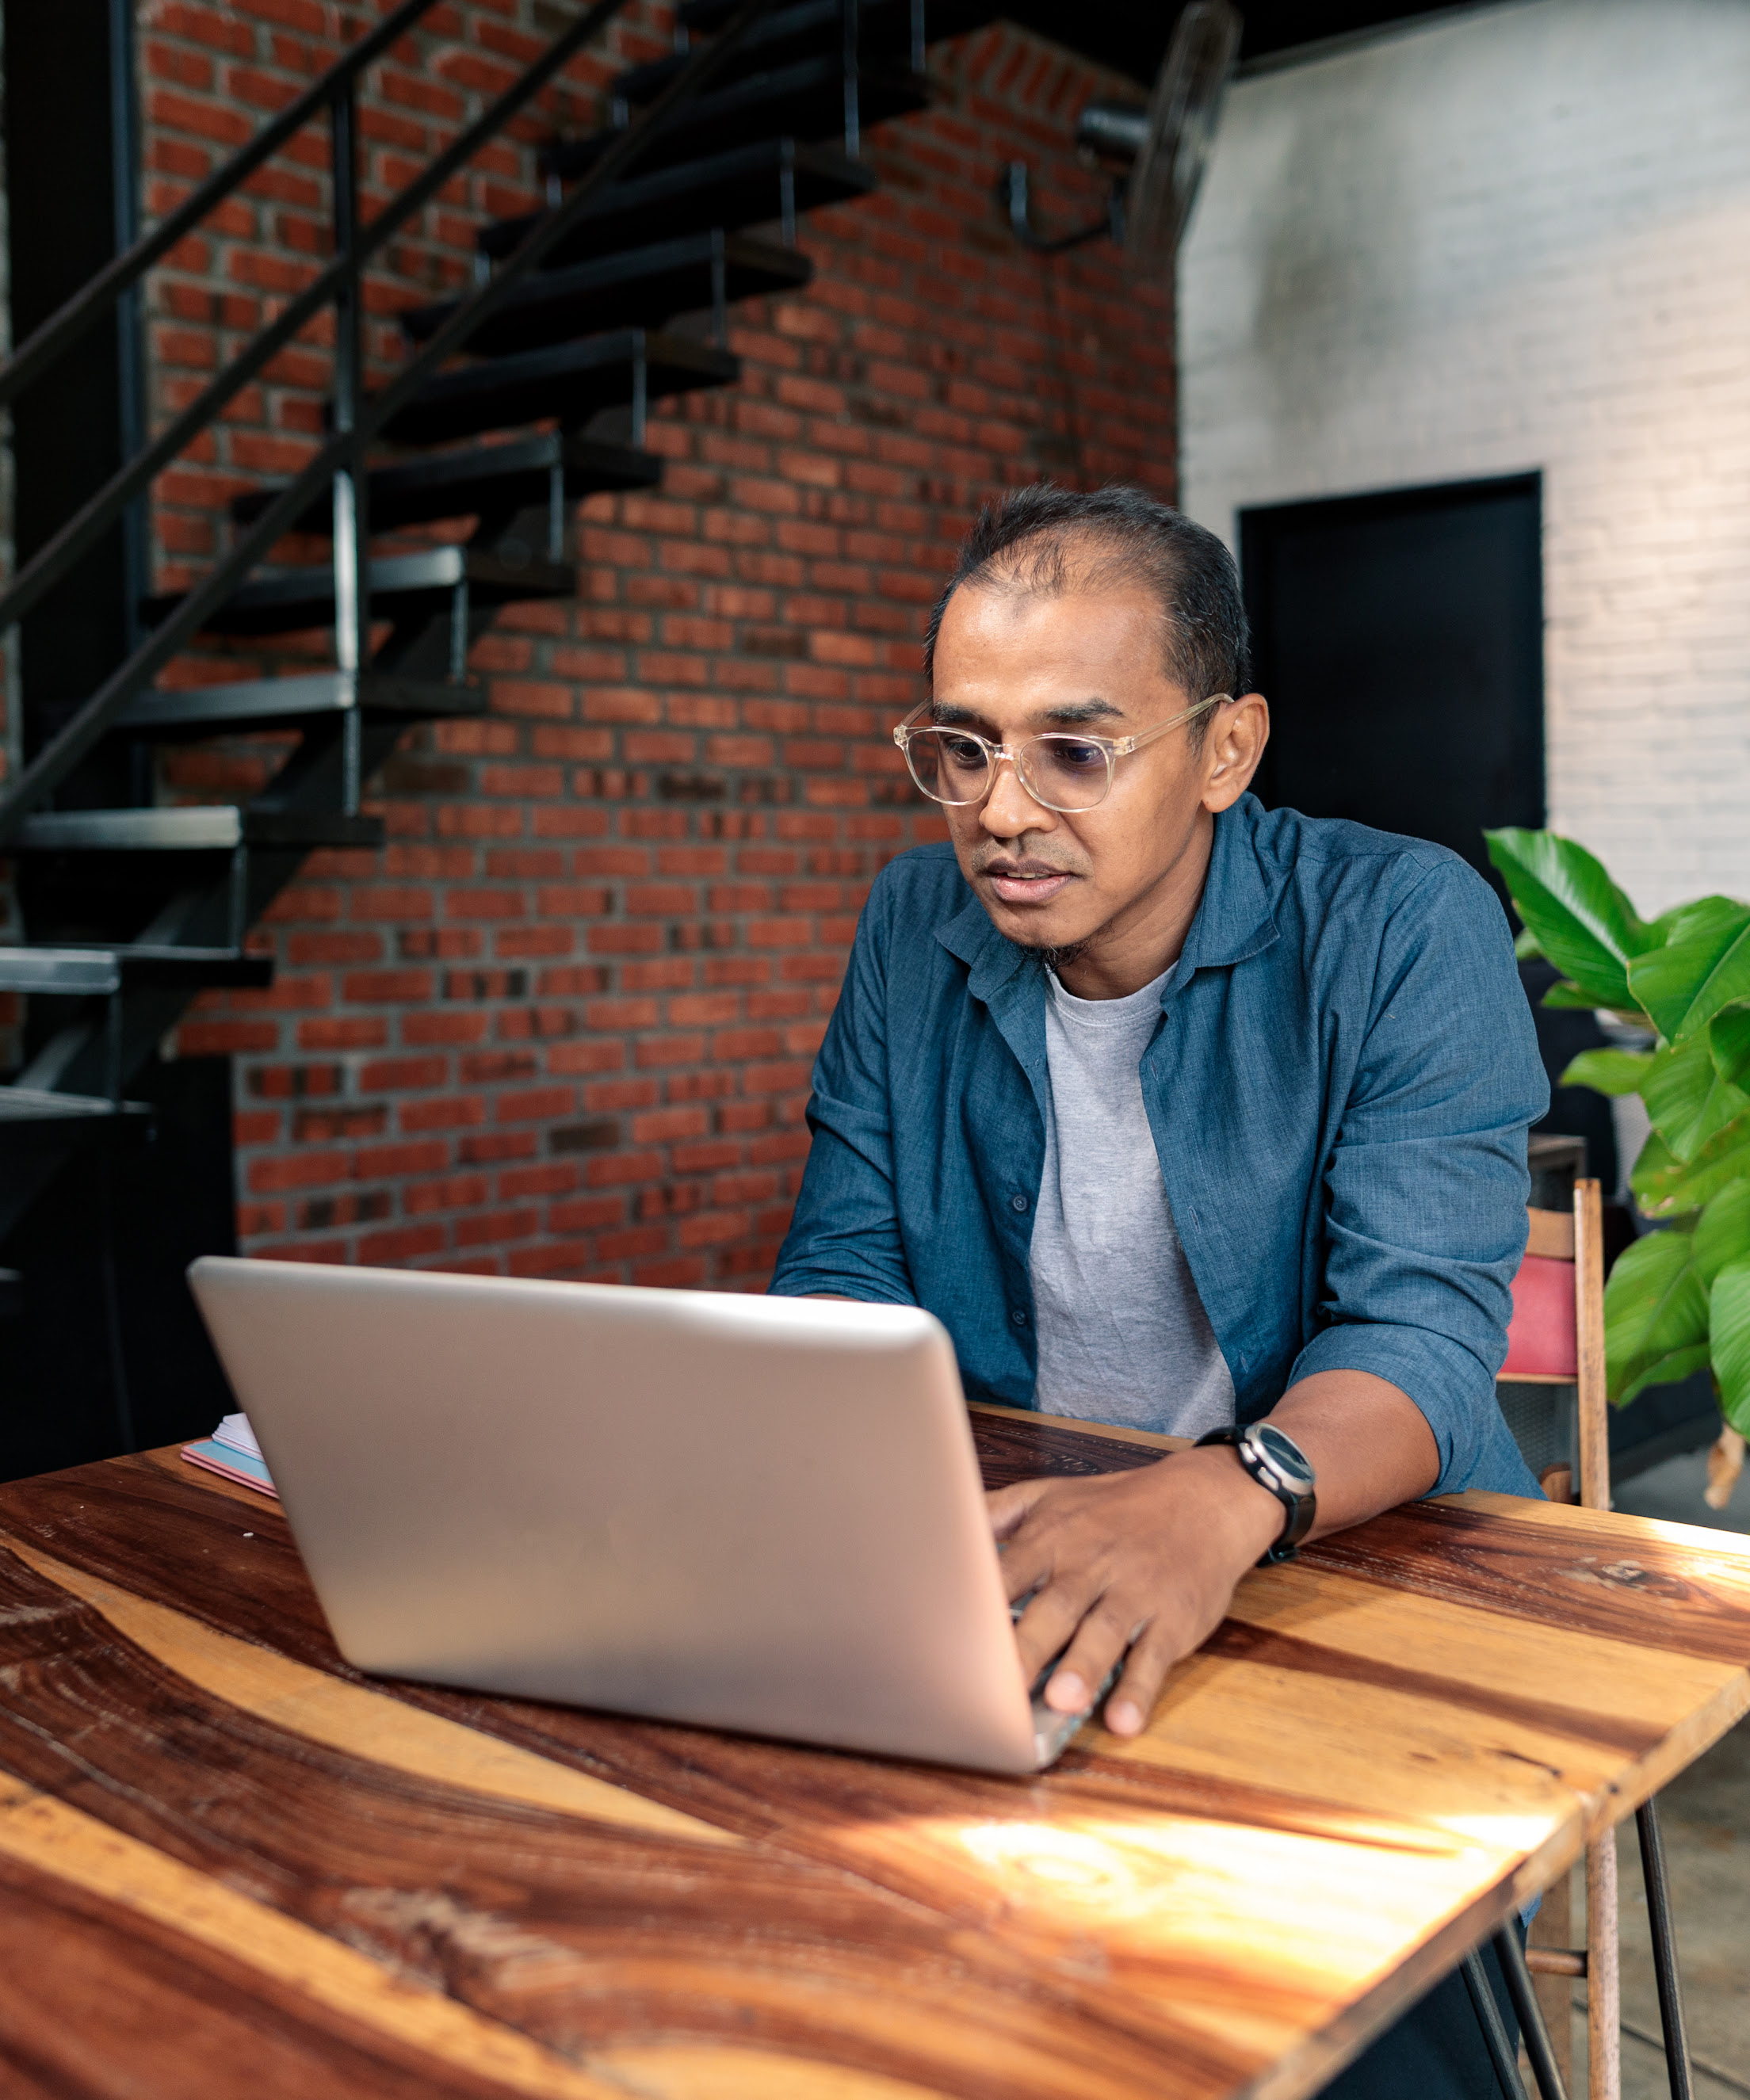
<point x="754" y="1513"/>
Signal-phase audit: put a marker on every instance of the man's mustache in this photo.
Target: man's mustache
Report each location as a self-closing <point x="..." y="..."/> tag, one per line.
<point x="998" y="862"/>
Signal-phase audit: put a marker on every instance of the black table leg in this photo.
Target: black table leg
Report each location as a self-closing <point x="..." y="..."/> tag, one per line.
<point x="1494" y="2029"/>
<point x="1665" y="1950"/>
<point x="1531" y="2014"/>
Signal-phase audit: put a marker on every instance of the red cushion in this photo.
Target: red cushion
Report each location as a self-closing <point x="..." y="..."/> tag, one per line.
<point x="1542" y="1336"/>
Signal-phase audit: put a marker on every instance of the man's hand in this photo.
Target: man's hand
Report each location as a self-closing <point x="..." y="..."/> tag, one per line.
<point x="1145" y="1560"/>
<point x="1148" y="1559"/>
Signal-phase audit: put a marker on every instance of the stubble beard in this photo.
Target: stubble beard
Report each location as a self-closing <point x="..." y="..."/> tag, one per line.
<point x="1056" y="960"/>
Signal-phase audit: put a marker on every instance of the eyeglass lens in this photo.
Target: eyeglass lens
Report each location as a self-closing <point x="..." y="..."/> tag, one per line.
<point x="1063" y="772"/>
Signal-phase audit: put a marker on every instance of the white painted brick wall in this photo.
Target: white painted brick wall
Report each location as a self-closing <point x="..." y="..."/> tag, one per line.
<point x="1519" y="238"/>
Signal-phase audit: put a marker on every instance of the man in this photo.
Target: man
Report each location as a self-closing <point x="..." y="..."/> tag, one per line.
<point x="1177" y="1114"/>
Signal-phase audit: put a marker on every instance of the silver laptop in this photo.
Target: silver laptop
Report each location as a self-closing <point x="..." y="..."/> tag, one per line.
<point x="762" y="1514"/>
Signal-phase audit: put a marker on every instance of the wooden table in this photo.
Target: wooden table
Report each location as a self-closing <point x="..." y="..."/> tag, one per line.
<point x="229" y="1865"/>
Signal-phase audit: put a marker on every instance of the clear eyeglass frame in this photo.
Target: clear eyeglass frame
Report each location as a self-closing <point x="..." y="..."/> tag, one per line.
<point x="909" y="733"/>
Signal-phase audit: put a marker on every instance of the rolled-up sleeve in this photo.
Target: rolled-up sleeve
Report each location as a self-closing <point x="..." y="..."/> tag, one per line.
<point x="1426" y="1186"/>
<point x="844" y="1239"/>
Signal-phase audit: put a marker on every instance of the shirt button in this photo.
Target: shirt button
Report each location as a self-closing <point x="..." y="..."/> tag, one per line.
<point x="1019" y="1316"/>
<point x="1018" y="1202"/>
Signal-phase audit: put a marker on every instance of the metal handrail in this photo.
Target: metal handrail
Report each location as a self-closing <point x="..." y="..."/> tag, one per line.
<point x="94" y="299"/>
<point x="77" y="737"/>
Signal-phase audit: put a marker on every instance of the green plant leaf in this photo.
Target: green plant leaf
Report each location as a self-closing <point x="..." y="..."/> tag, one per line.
<point x="1667" y="1187"/>
<point x="1581" y="921"/>
<point x="1729" y="1038"/>
<point x="1654" y="1309"/>
<point x="1569" y="997"/>
<point x="1526" y="947"/>
<point x="1687" y="1100"/>
<point x="1722" y="1234"/>
<point x="1729" y="1322"/>
<point x="1680" y="1364"/>
<point x="1609" y="1071"/>
<point x="1703" y="967"/>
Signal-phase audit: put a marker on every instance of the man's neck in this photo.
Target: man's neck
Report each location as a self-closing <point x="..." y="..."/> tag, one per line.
<point x="1136" y="947"/>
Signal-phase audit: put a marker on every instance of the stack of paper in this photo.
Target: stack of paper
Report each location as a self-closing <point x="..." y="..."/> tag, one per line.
<point x="231" y="1451"/>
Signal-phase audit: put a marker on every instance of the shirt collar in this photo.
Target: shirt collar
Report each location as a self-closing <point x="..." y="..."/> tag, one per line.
<point x="1234" y="920"/>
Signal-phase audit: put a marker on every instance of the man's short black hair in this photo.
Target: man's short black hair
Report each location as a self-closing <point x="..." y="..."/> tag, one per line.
<point x="1049" y="541"/>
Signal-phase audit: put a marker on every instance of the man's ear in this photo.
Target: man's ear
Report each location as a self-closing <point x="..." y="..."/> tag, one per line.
<point x="1232" y="749"/>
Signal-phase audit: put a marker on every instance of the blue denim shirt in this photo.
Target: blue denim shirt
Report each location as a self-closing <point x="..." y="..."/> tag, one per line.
<point x="1339" y="1090"/>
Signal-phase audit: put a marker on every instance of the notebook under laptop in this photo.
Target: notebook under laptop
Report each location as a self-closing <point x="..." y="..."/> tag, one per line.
<point x="762" y="1514"/>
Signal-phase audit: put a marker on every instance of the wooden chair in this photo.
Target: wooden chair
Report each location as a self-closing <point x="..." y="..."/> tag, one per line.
<point x="1557" y="1339"/>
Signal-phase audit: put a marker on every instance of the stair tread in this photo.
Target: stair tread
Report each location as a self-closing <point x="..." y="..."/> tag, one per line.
<point x="942" y="18"/>
<point x="736" y="189"/>
<point x="815" y="26"/>
<point x="203" y="827"/>
<point x="884" y="27"/>
<point x="804" y="101"/>
<point x="40" y="1129"/>
<point x="281" y="601"/>
<point x="291" y="700"/>
<point x="83" y="968"/>
<point x="570" y="379"/>
<point x="30" y="1106"/>
<point x="643" y="286"/>
<point x="502" y="478"/>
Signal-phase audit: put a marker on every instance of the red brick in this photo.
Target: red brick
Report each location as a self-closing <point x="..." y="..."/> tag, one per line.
<point x="452" y="1111"/>
<point x="351" y="1032"/>
<point x="297" y="1170"/>
<point x="585" y="1214"/>
<point x="537" y="1104"/>
<point x="225" y="1038"/>
<point x="403" y="1244"/>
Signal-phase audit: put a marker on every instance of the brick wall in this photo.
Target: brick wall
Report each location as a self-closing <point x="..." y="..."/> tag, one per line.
<point x="1519" y="239"/>
<point x="563" y="1024"/>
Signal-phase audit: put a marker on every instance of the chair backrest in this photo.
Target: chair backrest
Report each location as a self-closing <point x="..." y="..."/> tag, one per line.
<point x="1556" y="1334"/>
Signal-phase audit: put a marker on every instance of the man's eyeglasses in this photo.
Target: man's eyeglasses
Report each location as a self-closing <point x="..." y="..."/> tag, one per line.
<point x="1064" y="770"/>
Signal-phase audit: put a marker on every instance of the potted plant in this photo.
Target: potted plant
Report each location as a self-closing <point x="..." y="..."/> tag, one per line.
<point x="1678" y="1299"/>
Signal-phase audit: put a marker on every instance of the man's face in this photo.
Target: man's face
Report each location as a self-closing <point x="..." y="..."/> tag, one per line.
<point x="1010" y="665"/>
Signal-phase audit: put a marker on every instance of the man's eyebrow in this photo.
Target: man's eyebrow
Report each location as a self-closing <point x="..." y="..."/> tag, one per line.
<point x="946" y="716"/>
<point x="1084" y="711"/>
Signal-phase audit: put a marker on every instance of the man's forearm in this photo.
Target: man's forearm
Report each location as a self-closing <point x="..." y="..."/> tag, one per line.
<point x="1370" y="1444"/>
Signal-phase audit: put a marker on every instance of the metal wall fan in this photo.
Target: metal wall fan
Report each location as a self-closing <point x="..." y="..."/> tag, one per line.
<point x="1155" y="156"/>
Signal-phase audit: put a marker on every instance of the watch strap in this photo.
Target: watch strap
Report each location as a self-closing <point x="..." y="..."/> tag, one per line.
<point x="1299" y="1509"/>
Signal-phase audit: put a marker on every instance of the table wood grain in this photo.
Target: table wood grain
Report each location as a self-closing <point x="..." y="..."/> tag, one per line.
<point x="229" y="1865"/>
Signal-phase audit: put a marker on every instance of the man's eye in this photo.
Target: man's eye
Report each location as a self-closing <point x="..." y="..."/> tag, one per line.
<point x="1076" y="756"/>
<point x="963" y="751"/>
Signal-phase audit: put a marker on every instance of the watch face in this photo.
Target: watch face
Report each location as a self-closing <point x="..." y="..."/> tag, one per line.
<point x="1285" y="1457"/>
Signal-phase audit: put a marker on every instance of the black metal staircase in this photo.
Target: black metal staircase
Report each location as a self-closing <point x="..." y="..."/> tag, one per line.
<point x="613" y="297"/>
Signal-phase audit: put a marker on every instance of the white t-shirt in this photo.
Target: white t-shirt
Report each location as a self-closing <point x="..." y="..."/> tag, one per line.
<point x="1122" y="1334"/>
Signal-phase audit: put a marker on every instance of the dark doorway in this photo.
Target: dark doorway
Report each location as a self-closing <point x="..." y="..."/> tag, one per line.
<point x="1399" y="641"/>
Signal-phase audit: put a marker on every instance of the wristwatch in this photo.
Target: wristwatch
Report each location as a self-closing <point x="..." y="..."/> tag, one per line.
<point x="1275" y="1462"/>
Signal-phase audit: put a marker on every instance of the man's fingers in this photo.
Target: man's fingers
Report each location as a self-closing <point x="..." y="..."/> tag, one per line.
<point x="1047" y="1624"/>
<point x="1133" y="1698"/>
<point x="1027" y="1564"/>
<point x="1008" y="1506"/>
<point x="1104" y="1634"/>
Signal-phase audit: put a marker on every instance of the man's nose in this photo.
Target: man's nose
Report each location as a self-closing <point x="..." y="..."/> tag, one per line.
<point x="1008" y="810"/>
